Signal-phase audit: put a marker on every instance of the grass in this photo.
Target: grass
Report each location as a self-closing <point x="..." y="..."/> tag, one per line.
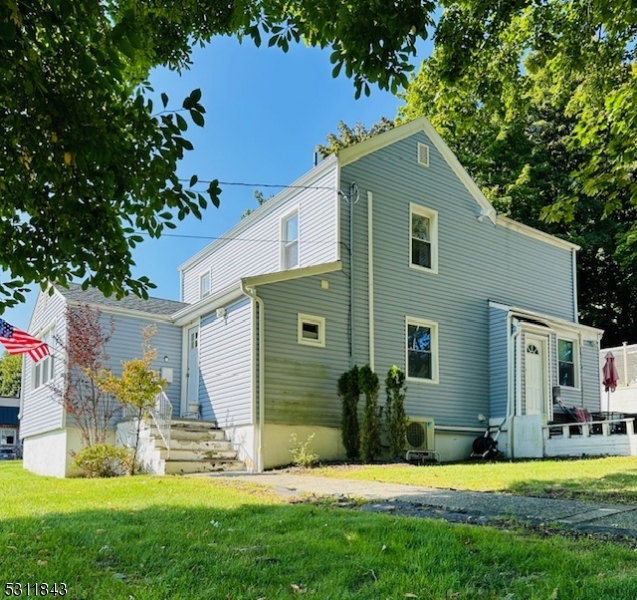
<point x="612" y="479"/>
<point x="147" y="538"/>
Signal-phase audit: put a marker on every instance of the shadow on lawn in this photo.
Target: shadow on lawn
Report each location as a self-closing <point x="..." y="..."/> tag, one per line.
<point x="614" y="488"/>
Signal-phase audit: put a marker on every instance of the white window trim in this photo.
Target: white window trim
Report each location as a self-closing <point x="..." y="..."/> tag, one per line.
<point x="48" y="360"/>
<point x="432" y="215"/>
<point x="434" y="350"/>
<point x="314" y="320"/>
<point x="576" y="361"/>
<point x="284" y="218"/>
<point x="201" y="278"/>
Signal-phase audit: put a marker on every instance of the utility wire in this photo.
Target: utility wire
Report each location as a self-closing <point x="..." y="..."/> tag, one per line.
<point x="267" y="185"/>
<point x="241" y="239"/>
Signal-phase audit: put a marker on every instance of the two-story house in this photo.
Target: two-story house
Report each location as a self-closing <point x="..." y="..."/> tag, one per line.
<point x="386" y="253"/>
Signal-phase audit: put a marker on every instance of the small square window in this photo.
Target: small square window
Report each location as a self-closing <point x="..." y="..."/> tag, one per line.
<point x="311" y="330"/>
<point x="204" y="284"/>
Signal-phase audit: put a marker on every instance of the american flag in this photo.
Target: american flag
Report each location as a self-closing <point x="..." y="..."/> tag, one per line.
<point x="17" y="341"/>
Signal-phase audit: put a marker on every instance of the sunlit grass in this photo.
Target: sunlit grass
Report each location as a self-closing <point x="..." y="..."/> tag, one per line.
<point x="612" y="479"/>
<point x="162" y="538"/>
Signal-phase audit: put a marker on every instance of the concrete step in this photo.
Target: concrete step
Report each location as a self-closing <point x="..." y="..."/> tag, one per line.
<point x="206" y="445"/>
<point x="193" y="424"/>
<point x="198" y="454"/>
<point x="176" y="467"/>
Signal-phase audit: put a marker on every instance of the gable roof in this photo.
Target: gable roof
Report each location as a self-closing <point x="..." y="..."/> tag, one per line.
<point x="153" y="306"/>
<point x="353" y="153"/>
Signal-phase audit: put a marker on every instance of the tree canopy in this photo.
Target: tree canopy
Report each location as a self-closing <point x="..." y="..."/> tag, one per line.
<point x="537" y="101"/>
<point x="87" y="161"/>
<point x="10" y="374"/>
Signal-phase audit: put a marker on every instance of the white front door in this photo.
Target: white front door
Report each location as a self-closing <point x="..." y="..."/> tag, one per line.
<point x="192" y="374"/>
<point x="535" y="375"/>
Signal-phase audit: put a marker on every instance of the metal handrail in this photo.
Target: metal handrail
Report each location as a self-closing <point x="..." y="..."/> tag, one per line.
<point x="161" y="414"/>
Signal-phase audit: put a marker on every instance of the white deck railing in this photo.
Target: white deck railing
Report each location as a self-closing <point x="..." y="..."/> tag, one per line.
<point x="161" y="415"/>
<point x="596" y="438"/>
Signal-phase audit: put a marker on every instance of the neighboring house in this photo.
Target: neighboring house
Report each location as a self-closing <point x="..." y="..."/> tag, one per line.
<point x="9" y="421"/>
<point x="386" y="253"/>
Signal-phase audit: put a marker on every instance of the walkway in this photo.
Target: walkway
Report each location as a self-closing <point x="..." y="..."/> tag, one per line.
<point x="454" y="505"/>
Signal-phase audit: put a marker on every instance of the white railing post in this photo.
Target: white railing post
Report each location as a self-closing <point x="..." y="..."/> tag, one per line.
<point x="161" y="415"/>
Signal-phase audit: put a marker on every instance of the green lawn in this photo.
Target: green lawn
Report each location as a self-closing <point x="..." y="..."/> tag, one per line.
<point x="157" y="538"/>
<point x="612" y="479"/>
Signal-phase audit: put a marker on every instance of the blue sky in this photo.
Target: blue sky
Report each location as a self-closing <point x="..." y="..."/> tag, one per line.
<point x="265" y="113"/>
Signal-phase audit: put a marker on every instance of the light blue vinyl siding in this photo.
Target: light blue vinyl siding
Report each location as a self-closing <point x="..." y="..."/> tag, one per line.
<point x="477" y="262"/>
<point x="498" y="362"/>
<point x="42" y="411"/>
<point x="300" y="381"/>
<point x="225" y="361"/>
<point x="589" y="374"/>
<point x="126" y="344"/>
<point x="254" y="246"/>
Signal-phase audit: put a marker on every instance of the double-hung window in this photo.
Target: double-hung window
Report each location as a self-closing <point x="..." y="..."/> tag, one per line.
<point x="423" y="238"/>
<point x="422" y="350"/>
<point x="567" y="363"/>
<point x="290" y="241"/>
<point x="43" y="370"/>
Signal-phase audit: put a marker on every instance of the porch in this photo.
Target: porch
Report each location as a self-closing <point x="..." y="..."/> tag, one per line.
<point x="613" y="435"/>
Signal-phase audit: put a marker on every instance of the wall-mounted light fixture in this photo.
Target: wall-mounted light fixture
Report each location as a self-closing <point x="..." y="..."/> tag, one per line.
<point x="221" y="313"/>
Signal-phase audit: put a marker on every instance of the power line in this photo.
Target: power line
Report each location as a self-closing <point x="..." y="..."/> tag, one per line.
<point x="222" y="237"/>
<point x="266" y="185"/>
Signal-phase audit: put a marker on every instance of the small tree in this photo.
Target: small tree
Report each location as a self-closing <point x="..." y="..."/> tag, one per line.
<point x="91" y="408"/>
<point x="348" y="390"/>
<point x="138" y="386"/>
<point x="395" y="417"/>
<point x="10" y="375"/>
<point x="370" y="433"/>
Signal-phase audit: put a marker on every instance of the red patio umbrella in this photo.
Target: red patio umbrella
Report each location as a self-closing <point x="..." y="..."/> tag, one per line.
<point x="610" y="376"/>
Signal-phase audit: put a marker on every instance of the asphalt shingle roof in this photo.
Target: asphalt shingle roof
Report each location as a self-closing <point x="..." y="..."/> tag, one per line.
<point x="156" y="306"/>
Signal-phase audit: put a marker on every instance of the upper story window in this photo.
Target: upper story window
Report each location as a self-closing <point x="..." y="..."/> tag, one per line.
<point x="567" y="363"/>
<point x="423" y="238"/>
<point x="422" y="350"/>
<point x="43" y="371"/>
<point x="290" y="240"/>
<point x="204" y="284"/>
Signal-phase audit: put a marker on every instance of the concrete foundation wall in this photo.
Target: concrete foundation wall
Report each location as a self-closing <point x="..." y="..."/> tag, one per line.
<point x="52" y="453"/>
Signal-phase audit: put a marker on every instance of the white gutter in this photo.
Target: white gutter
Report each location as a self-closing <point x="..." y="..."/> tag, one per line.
<point x="351" y="279"/>
<point x="207" y="305"/>
<point x="258" y="354"/>
<point x="459" y="429"/>
<point x="370" y="283"/>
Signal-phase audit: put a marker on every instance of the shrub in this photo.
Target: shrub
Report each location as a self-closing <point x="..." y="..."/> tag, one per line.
<point x="370" y="433"/>
<point x="349" y="391"/>
<point x="104" y="460"/>
<point x="302" y="454"/>
<point x="395" y="417"/>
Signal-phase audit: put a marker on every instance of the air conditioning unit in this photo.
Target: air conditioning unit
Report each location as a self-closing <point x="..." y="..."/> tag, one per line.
<point x="421" y="439"/>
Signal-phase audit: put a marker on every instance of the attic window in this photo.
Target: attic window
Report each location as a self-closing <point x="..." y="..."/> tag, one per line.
<point x="423" y="155"/>
<point x="204" y="284"/>
<point x="311" y="331"/>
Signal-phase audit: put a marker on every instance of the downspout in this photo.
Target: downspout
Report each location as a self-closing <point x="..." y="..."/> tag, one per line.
<point x="575" y="306"/>
<point x="353" y="199"/>
<point x="257" y="374"/>
<point x="370" y="271"/>
<point x="511" y="383"/>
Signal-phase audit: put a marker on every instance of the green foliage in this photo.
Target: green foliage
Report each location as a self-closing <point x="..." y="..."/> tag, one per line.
<point x="89" y="163"/>
<point x="302" y="454"/>
<point x="349" y="391"/>
<point x="261" y="200"/>
<point x="539" y="108"/>
<point x="370" y="431"/>
<point x="89" y="407"/>
<point x="348" y="136"/>
<point x="395" y="417"/>
<point x="104" y="460"/>
<point x="138" y="386"/>
<point x="10" y="374"/>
